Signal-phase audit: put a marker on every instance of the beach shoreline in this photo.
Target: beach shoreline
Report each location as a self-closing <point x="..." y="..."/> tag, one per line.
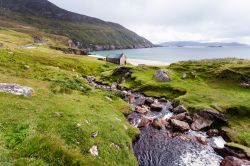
<point x="137" y="62"/>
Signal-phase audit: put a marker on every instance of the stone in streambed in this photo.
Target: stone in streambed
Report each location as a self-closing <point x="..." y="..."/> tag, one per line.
<point x="180" y="117"/>
<point x="159" y="123"/>
<point x="200" y="123"/>
<point x="144" y="122"/>
<point x="233" y="161"/>
<point x="149" y="101"/>
<point x="143" y="109"/>
<point x="180" y="125"/>
<point x="179" y="109"/>
<point x="156" y="107"/>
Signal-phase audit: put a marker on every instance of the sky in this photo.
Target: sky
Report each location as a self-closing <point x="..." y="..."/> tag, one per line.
<point x="172" y="20"/>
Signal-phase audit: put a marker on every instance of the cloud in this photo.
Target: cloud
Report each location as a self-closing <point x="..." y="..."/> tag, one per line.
<point x="166" y="20"/>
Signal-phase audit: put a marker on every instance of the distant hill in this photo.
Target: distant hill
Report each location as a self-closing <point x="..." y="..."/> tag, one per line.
<point x="200" y="44"/>
<point x="86" y="32"/>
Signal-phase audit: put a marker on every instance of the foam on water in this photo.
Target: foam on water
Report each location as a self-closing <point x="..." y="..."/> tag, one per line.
<point x="219" y="142"/>
<point x="206" y="157"/>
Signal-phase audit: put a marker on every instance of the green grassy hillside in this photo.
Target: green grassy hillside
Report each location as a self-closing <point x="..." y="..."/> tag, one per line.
<point x="55" y="126"/>
<point x="86" y="32"/>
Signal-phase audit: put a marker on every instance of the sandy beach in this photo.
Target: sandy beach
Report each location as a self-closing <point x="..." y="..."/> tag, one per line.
<point x="137" y="62"/>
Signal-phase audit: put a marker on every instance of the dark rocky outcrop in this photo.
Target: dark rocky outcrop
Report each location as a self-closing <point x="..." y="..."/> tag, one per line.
<point x="213" y="115"/>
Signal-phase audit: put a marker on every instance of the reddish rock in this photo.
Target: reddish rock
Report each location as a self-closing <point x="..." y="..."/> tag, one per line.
<point x="233" y="161"/>
<point x="144" y="122"/>
<point x="142" y="109"/>
<point x="181" y="116"/>
<point x="200" y="124"/>
<point x="180" y="125"/>
<point x="156" y="107"/>
<point x="159" y="123"/>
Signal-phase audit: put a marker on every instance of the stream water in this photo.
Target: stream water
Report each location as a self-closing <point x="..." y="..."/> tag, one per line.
<point x="165" y="147"/>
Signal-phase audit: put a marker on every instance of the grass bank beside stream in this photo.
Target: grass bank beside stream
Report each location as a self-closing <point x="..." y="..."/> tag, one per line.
<point x="209" y="84"/>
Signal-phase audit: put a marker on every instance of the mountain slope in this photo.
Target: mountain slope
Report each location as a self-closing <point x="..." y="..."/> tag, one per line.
<point x="86" y="32"/>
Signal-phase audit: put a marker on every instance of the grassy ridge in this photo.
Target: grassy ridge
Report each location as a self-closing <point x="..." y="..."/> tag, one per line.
<point x="86" y="30"/>
<point x="54" y="127"/>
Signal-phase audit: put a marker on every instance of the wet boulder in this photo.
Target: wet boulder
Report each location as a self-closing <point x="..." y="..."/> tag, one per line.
<point x="181" y="116"/>
<point x="180" y="125"/>
<point x="213" y="115"/>
<point x="143" y="109"/>
<point x="144" y="122"/>
<point x="159" y="123"/>
<point x="149" y="101"/>
<point x="156" y="107"/>
<point x="179" y="109"/>
<point x="162" y="75"/>
<point x="233" y="161"/>
<point x="201" y="123"/>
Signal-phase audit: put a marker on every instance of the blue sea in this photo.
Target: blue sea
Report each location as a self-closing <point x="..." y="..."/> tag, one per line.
<point x="175" y="54"/>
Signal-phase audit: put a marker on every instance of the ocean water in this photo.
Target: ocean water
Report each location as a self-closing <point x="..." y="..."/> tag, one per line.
<point x="175" y="54"/>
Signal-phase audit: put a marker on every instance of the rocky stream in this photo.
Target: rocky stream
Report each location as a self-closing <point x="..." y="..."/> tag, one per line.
<point x="170" y="136"/>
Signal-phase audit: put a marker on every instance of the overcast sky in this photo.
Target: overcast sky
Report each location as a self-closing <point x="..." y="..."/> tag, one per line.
<point x="172" y="20"/>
